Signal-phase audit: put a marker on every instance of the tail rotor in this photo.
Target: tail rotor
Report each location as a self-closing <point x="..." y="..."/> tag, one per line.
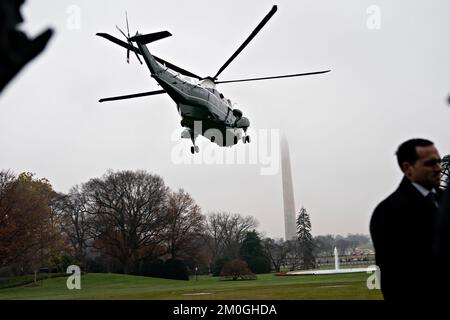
<point x="128" y="37"/>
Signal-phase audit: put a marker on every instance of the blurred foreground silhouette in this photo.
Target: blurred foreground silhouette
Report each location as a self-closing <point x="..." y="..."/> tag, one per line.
<point x="16" y="49"/>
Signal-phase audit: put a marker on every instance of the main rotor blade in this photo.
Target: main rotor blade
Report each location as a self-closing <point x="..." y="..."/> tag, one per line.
<point x="131" y="96"/>
<point x="122" y="32"/>
<point x="275" y="77"/>
<point x="178" y="69"/>
<point x="137" y="56"/>
<point x="119" y="42"/>
<point x="128" y="28"/>
<point x="246" y="42"/>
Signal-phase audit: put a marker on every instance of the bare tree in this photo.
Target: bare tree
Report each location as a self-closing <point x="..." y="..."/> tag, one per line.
<point x="357" y="240"/>
<point x="342" y="244"/>
<point x="277" y="251"/>
<point x="293" y="256"/>
<point x="324" y="245"/>
<point x="129" y="214"/>
<point x="75" y="220"/>
<point x="185" y="224"/>
<point x="226" y="232"/>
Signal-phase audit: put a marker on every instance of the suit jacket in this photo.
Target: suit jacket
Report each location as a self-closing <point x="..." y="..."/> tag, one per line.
<point x="442" y="240"/>
<point x="402" y="229"/>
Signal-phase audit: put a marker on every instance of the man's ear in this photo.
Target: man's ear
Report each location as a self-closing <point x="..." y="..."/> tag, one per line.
<point x="406" y="168"/>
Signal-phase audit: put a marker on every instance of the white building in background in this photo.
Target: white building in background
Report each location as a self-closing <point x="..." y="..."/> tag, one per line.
<point x="290" y="231"/>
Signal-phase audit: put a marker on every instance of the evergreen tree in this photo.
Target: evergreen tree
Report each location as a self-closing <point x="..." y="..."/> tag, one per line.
<point x="253" y="253"/>
<point x="305" y="240"/>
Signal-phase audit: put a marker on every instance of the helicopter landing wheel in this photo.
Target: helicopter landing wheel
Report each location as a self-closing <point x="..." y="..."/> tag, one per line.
<point x="213" y="139"/>
<point x="235" y="140"/>
<point x="195" y="149"/>
<point x="247" y="139"/>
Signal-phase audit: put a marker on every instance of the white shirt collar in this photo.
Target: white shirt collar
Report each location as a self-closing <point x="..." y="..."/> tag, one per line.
<point x="422" y="189"/>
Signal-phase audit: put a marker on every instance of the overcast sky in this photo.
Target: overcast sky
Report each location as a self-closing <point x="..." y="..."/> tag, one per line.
<point x="386" y="85"/>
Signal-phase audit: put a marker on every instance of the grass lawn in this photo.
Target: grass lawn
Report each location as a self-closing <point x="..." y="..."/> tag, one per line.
<point x="267" y="286"/>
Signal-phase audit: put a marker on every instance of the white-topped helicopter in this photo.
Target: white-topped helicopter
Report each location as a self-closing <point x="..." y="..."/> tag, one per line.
<point x="197" y="99"/>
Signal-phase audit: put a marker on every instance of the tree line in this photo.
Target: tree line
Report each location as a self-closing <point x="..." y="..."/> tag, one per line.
<point x="131" y="222"/>
<point x="122" y="222"/>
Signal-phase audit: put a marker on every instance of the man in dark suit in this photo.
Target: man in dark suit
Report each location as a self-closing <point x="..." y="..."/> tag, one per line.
<point x="402" y="226"/>
<point x="442" y="242"/>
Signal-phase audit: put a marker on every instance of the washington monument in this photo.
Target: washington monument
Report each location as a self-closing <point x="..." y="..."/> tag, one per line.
<point x="288" y="191"/>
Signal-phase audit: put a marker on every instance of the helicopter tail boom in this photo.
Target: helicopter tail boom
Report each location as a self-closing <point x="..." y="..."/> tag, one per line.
<point x="141" y="41"/>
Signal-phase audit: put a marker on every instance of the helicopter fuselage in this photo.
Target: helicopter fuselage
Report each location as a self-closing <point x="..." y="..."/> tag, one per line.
<point x="203" y="109"/>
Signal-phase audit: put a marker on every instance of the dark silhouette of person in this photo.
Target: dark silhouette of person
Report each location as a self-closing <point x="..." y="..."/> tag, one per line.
<point x="442" y="240"/>
<point x="403" y="225"/>
<point x="16" y="49"/>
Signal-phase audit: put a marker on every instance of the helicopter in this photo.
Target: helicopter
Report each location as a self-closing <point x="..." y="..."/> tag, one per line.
<point x="203" y="109"/>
